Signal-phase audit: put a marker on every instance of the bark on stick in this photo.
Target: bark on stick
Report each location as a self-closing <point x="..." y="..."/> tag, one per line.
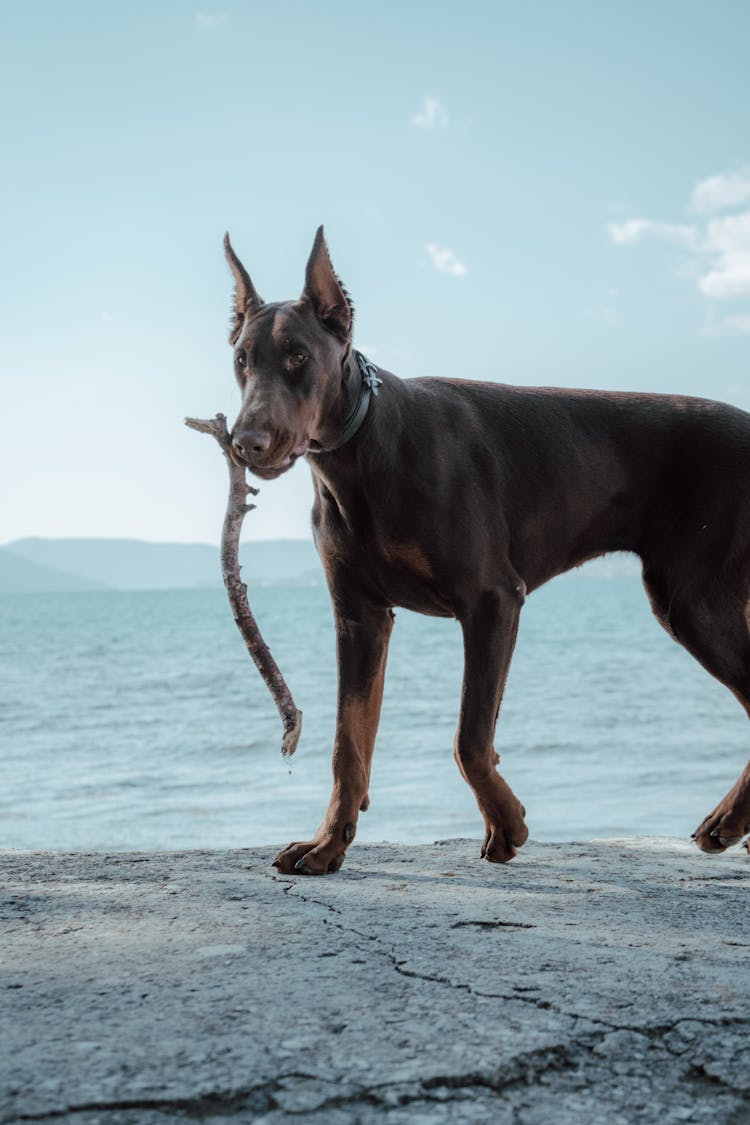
<point x="237" y="509"/>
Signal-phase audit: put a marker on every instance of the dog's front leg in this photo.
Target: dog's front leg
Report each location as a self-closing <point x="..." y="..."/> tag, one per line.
<point x="361" y="649"/>
<point x="489" y="626"/>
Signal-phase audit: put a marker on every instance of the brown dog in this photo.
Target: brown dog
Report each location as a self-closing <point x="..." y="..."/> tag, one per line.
<point x="457" y="499"/>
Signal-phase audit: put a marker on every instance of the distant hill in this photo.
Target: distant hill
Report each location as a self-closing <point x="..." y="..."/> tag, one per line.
<point x="131" y="564"/>
<point x="20" y="575"/>
<point x="29" y="565"/>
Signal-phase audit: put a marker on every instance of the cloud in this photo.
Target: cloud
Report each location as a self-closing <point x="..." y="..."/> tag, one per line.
<point x="445" y="261"/>
<point x="718" y="193"/>
<point x="635" y="229"/>
<point x="431" y="115"/>
<point x="716" y="247"/>
<point x="728" y="242"/>
<point x="209" y="21"/>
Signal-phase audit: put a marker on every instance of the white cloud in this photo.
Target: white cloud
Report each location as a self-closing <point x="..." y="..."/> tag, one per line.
<point x="718" y="193"/>
<point x="431" y="115"/>
<point x="633" y="230"/>
<point x="445" y="261"/>
<point x="209" y="21"/>
<point x="727" y="241"/>
<point x="716" y="248"/>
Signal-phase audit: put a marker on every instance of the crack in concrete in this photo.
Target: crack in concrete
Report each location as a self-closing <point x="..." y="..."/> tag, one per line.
<point x="212" y="1103"/>
<point x="524" y="1070"/>
<point x="398" y="966"/>
<point x="653" y="1032"/>
<point x="687" y="1054"/>
<point x="484" y="924"/>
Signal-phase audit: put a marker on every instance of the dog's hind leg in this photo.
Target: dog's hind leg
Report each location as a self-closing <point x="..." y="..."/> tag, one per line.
<point x="489" y="627"/>
<point x="713" y="626"/>
<point x="362" y="646"/>
<point x="729" y="822"/>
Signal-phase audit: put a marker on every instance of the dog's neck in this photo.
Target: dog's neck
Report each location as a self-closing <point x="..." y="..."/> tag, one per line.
<point x="359" y="383"/>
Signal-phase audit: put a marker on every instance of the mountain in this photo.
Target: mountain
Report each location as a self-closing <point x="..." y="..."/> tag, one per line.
<point x="131" y="564"/>
<point x="53" y="565"/>
<point x="20" y="575"/>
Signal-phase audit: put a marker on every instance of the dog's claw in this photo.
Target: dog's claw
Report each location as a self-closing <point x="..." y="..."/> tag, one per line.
<point x="304" y="867"/>
<point x="725" y="841"/>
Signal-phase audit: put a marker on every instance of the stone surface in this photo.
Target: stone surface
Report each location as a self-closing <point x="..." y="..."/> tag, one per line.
<point x="582" y="983"/>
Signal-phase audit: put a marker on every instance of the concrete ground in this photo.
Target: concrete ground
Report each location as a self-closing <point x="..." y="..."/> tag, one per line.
<point x="595" y="983"/>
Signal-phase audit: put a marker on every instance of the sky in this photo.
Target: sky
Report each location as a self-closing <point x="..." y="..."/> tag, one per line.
<point x="537" y="193"/>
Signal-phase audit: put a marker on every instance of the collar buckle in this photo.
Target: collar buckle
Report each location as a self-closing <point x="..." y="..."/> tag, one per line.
<point x="369" y="373"/>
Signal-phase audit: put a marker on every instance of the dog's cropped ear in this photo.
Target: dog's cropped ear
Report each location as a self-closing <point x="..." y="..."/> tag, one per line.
<point x="246" y="300"/>
<point x="324" y="291"/>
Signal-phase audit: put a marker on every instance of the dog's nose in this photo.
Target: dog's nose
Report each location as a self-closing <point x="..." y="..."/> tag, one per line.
<point x="250" y="442"/>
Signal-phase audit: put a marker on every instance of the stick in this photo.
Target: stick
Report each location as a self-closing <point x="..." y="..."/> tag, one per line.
<point x="237" y="509"/>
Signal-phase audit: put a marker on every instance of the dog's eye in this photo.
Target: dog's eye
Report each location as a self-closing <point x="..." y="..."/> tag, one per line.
<point x="241" y="360"/>
<point x="297" y="359"/>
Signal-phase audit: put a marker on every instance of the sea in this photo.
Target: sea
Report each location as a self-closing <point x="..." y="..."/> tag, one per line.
<point x="136" y="721"/>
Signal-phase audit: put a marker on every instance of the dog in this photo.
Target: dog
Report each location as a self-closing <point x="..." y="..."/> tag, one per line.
<point x="457" y="499"/>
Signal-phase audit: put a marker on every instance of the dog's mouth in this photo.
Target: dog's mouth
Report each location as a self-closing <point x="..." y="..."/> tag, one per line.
<point x="274" y="469"/>
<point x="271" y="472"/>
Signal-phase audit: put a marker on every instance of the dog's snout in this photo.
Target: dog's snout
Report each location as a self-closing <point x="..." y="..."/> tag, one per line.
<point x="251" y="442"/>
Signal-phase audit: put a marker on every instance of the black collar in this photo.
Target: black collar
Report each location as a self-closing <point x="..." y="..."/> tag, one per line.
<point x="368" y="387"/>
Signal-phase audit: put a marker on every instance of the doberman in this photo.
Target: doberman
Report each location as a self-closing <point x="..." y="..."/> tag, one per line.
<point x="457" y="498"/>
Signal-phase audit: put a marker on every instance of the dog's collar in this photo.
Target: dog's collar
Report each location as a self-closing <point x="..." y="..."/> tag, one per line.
<point x="368" y="387"/>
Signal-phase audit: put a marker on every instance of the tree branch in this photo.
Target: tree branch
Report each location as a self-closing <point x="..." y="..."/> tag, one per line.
<point x="237" y="508"/>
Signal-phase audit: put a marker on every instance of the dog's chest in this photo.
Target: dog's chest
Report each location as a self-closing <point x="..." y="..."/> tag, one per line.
<point x="407" y="577"/>
<point x="394" y="573"/>
<point x="362" y="544"/>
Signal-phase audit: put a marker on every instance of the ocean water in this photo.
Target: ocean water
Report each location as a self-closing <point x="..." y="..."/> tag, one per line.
<point x="137" y="721"/>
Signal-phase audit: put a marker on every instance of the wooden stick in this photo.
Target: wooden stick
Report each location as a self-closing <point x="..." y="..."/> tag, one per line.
<point x="237" y="509"/>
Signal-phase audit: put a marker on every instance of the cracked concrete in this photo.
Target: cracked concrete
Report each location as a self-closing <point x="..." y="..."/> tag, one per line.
<point x="583" y="983"/>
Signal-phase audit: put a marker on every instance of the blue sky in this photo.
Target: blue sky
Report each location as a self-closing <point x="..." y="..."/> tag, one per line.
<point x="541" y="193"/>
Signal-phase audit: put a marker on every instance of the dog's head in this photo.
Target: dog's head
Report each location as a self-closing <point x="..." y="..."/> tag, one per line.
<point x="289" y="360"/>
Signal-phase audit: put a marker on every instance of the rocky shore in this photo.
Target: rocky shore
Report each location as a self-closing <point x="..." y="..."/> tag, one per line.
<point x="582" y="983"/>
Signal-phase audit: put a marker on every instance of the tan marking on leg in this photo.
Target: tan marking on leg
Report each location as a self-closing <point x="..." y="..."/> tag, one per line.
<point x="412" y="558"/>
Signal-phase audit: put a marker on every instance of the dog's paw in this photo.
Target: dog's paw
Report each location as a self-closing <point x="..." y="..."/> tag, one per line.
<point x="723" y="828"/>
<point x="309" y="858"/>
<point x="502" y="841"/>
